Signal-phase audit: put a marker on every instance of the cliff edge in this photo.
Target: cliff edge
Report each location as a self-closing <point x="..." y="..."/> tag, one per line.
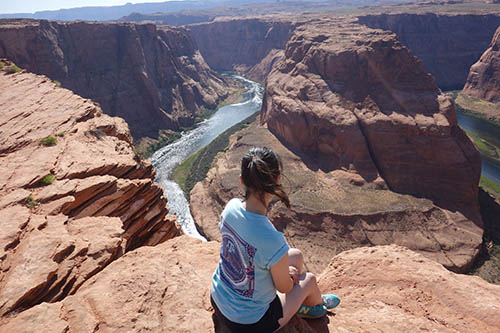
<point x="74" y="197"/>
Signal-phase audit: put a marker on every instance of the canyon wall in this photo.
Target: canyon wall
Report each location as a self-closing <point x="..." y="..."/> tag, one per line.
<point x="484" y="77"/>
<point x="372" y="151"/>
<point x="154" y="78"/>
<point x="74" y="196"/>
<point x="229" y="44"/>
<point x="448" y="45"/>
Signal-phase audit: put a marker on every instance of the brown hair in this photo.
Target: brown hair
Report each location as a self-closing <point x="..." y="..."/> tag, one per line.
<point x="260" y="168"/>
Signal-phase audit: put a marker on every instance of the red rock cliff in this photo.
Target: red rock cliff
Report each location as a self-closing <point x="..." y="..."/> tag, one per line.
<point x="484" y="76"/>
<point x="74" y="197"/>
<point x="447" y="44"/>
<point x="152" y="77"/>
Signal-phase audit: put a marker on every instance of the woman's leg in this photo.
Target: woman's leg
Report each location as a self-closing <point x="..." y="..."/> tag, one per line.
<point x="306" y="291"/>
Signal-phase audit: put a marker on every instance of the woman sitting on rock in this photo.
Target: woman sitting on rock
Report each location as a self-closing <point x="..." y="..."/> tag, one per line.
<point x="260" y="282"/>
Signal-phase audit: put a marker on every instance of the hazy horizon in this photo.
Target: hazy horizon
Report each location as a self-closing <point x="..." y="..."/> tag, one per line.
<point x="32" y="6"/>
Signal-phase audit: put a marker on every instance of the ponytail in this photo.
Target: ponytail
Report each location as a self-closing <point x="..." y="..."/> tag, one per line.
<point x="260" y="169"/>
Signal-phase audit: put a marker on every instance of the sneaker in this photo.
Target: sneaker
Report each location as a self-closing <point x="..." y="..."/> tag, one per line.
<point x="311" y="312"/>
<point x="330" y="301"/>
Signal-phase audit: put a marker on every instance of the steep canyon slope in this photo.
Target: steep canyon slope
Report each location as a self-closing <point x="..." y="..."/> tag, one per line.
<point x="484" y="77"/>
<point x="229" y="44"/>
<point x="154" y="78"/>
<point x="448" y="44"/>
<point x="372" y="151"/>
<point x="74" y="197"/>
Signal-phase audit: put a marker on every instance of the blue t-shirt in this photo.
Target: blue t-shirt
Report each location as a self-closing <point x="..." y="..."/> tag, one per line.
<point x="242" y="285"/>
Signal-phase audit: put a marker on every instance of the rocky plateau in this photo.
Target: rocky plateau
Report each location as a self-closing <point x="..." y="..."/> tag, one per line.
<point x="166" y="289"/>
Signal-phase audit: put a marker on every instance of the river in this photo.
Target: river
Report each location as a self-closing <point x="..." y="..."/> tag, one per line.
<point x="483" y="129"/>
<point x="169" y="157"/>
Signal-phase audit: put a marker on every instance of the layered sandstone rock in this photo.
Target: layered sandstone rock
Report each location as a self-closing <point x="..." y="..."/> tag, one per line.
<point x="484" y="76"/>
<point x="447" y="44"/>
<point x="154" y="78"/>
<point x="359" y="125"/>
<point x="74" y="197"/>
<point x="166" y="289"/>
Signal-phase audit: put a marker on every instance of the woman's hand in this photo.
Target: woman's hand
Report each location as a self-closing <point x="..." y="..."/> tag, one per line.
<point x="294" y="274"/>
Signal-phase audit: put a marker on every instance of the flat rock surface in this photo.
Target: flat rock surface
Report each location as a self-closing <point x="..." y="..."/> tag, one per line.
<point x="74" y="195"/>
<point x="392" y="289"/>
<point x="166" y="289"/>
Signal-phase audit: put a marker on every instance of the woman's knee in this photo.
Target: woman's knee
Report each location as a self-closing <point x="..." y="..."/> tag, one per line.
<point x="295" y="256"/>
<point x="310" y="279"/>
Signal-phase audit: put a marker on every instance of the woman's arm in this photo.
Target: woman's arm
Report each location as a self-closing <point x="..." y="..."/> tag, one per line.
<point x="281" y="275"/>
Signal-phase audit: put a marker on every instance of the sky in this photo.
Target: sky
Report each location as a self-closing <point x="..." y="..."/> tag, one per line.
<point x="31" y="6"/>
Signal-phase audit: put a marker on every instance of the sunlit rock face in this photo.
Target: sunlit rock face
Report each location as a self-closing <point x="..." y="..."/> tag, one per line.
<point x="372" y="151"/>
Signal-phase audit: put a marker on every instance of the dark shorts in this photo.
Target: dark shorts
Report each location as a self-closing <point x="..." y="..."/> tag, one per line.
<point x="268" y="322"/>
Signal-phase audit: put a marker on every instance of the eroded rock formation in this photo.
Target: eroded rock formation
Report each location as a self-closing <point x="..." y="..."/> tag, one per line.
<point x="359" y="124"/>
<point x="74" y="197"/>
<point x="447" y="44"/>
<point x="484" y="76"/>
<point x="154" y="78"/>
<point x="166" y="289"/>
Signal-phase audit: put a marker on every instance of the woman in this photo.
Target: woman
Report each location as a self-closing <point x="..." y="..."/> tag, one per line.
<point x="260" y="283"/>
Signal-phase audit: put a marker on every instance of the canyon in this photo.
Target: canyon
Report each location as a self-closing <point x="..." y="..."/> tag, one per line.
<point x="154" y="78"/>
<point x="382" y="180"/>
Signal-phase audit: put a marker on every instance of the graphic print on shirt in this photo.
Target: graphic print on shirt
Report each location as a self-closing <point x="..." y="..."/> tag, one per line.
<point x="237" y="266"/>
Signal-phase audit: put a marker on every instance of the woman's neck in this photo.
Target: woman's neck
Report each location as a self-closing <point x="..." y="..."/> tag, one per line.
<point x="254" y="205"/>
